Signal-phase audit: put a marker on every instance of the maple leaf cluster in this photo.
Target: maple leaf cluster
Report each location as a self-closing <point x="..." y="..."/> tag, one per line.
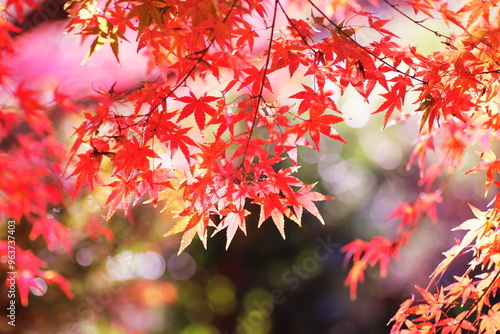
<point x="210" y="153"/>
<point x="457" y="92"/>
<point x="227" y="161"/>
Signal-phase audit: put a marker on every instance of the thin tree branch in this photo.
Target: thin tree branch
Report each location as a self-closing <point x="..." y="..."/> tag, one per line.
<point x="263" y="80"/>
<point x="476" y="302"/>
<point x="396" y="8"/>
<point x="294" y="27"/>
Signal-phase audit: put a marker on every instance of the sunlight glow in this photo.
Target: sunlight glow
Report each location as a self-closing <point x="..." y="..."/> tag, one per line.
<point x="356" y="112"/>
<point x="181" y="266"/>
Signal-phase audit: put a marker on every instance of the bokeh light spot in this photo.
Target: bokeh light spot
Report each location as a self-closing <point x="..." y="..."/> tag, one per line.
<point x="254" y="298"/>
<point x="388" y="154"/>
<point x="42" y="287"/>
<point x="199" y="329"/>
<point x="181" y="266"/>
<point x="84" y="256"/>
<point x="356" y="112"/>
<point x="121" y="267"/>
<point x="128" y="265"/>
<point x="221" y="294"/>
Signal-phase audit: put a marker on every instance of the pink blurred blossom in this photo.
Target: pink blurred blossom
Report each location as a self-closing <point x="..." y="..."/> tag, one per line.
<point x="47" y="58"/>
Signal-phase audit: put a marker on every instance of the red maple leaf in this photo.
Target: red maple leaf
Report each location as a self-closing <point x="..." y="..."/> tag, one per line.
<point x="255" y="79"/>
<point x="367" y="253"/>
<point x="122" y="194"/>
<point x="86" y="170"/>
<point x="305" y="198"/>
<point x="95" y="229"/>
<point x="54" y="233"/>
<point x="319" y="123"/>
<point x="133" y="157"/>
